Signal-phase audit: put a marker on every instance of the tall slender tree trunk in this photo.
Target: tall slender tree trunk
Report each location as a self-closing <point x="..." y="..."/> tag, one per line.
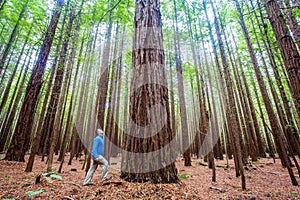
<point x="213" y="121"/>
<point x="71" y="106"/>
<point x="20" y="140"/>
<point x="109" y="127"/>
<point x="40" y="130"/>
<point x="291" y="19"/>
<point x="116" y="138"/>
<point x="172" y="99"/>
<point x="12" y="76"/>
<point x="232" y="106"/>
<point x="82" y="96"/>
<point x="7" y="64"/>
<point x="12" y="37"/>
<point x="57" y="90"/>
<point x="183" y="114"/>
<point x="103" y="80"/>
<point x="285" y="122"/>
<point x="252" y="128"/>
<point x="62" y="145"/>
<point x="288" y="49"/>
<point x="56" y="111"/>
<point x="194" y="118"/>
<point x="195" y="61"/>
<point x="7" y="125"/>
<point x="271" y="114"/>
<point x="2" y="4"/>
<point x="222" y="84"/>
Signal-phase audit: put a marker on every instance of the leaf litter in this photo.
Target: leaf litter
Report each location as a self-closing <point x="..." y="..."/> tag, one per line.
<point x="264" y="180"/>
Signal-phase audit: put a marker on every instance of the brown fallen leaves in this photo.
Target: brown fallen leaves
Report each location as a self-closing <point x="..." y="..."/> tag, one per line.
<point x="265" y="180"/>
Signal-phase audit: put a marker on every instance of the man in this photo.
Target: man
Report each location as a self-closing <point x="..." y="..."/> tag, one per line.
<point x="98" y="159"/>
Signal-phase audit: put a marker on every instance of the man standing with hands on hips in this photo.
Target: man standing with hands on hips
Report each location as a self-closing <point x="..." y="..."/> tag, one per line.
<point x="98" y="159"/>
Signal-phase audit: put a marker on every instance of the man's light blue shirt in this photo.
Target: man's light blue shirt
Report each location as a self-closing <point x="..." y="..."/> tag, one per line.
<point x="98" y="147"/>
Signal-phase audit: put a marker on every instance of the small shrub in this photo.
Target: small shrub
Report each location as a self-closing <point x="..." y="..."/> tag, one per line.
<point x="185" y="176"/>
<point x="32" y="193"/>
<point x="203" y="164"/>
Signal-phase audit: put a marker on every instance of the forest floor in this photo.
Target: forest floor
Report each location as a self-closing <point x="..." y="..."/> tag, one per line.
<point x="264" y="179"/>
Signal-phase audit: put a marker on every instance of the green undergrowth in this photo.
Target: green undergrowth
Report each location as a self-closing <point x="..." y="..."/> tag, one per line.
<point x="185" y="176"/>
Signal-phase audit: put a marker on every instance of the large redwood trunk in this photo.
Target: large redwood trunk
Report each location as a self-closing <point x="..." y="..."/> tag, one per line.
<point x="147" y="153"/>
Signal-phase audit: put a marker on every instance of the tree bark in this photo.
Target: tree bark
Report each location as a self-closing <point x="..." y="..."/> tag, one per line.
<point x="148" y="90"/>
<point x="291" y="19"/>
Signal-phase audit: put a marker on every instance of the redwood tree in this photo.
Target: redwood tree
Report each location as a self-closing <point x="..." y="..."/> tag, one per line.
<point x="148" y="90"/>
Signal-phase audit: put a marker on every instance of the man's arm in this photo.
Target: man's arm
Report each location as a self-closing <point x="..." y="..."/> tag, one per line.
<point x="95" y="146"/>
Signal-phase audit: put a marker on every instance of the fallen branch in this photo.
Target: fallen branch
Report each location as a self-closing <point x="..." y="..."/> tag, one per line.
<point x="67" y="198"/>
<point x="72" y="184"/>
<point x="217" y="189"/>
<point x="116" y="183"/>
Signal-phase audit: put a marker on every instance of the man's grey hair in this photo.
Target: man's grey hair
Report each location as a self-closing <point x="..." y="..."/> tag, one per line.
<point x="98" y="129"/>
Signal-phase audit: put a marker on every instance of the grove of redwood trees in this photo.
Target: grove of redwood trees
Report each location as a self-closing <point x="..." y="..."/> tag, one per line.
<point x="164" y="79"/>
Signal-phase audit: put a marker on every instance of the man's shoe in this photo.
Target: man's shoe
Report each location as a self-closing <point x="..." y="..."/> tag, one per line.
<point x="107" y="178"/>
